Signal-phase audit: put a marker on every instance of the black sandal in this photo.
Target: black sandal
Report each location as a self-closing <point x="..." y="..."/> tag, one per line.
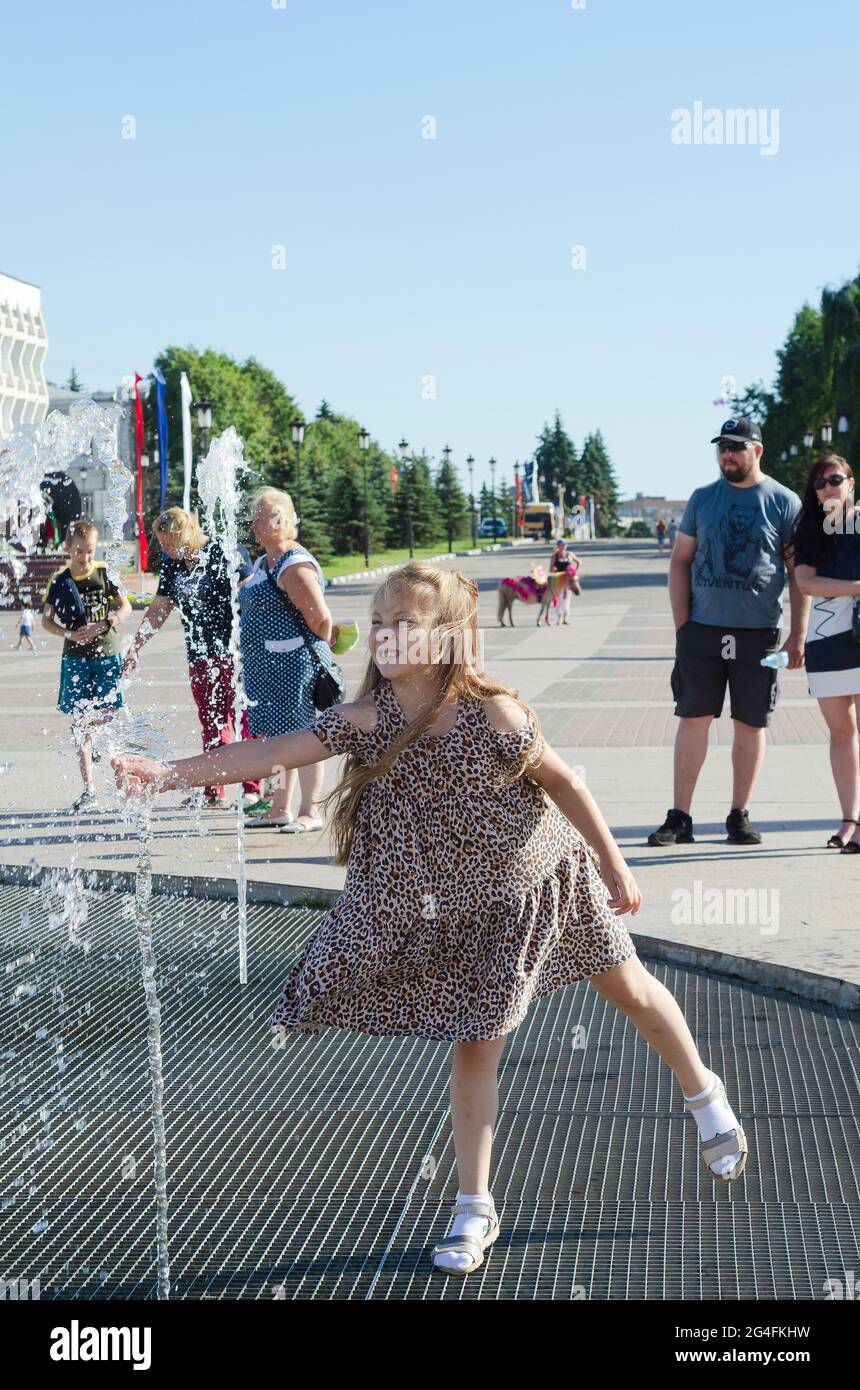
<point x="836" y="843"/>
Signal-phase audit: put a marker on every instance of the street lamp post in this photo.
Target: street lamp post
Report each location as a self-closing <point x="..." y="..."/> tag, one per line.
<point x="842" y="427"/>
<point x="808" y="441"/>
<point x="404" y="454"/>
<point x="446" y="454"/>
<point x="516" y="527"/>
<point x="826" y="432"/>
<point x="204" y="423"/>
<point x="470" y="464"/>
<point x="493" y="490"/>
<point x="298" y="432"/>
<point x="364" y="444"/>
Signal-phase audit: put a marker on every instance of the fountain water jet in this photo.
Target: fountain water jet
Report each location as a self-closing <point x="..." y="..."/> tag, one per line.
<point x="217" y="478"/>
<point x="25" y="458"/>
<point x="138" y="734"/>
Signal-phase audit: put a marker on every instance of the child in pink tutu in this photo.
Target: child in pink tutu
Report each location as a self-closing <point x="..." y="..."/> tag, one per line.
<point x="481" y="876"/>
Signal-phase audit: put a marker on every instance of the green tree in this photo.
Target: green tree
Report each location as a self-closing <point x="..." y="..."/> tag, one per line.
<point x="556" y="461"/>
<point x="817" y="378"/>
<point x="598" y="480"/>
<point x="415" y="500"/>
<point x="245" y="395"/>
<point x="74" y="382"/>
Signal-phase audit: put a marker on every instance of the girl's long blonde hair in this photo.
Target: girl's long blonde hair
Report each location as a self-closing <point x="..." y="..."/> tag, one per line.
<point x="451" y="597"/>
<point x="183" y="528"/>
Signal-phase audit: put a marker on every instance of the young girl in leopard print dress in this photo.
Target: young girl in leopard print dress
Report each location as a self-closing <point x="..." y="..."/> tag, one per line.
<point x="481" y="876"/>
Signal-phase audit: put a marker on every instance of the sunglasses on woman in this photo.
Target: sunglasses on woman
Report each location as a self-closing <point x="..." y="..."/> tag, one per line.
<point x="832" y="480"/>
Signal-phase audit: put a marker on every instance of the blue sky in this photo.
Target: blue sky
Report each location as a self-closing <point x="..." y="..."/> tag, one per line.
<point x="409" y="258"/>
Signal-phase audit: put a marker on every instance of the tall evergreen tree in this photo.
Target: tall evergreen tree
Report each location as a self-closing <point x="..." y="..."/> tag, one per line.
<point x="599" y="481"/>
<point x="415" y="500"/>
<point x="556" y="461"/>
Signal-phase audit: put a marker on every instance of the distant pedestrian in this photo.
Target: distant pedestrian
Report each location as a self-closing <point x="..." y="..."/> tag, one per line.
<point x="661" y="535"/>
<point x="827" y="560"/>
<point x="673" y="532"/>
<point x="25" y="631"/>
<point x="726" y="578"/>
<point x="564" y="561"/>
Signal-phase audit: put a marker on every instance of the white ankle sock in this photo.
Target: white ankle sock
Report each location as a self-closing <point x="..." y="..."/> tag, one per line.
<point x="464" y="1224"/>
<point x="713" y="1119"/>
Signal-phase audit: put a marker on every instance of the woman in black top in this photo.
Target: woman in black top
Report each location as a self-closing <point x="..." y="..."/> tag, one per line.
<point x="827" y="567"/>
<point x="195" y="578"/>
<point x="566" y="562"/>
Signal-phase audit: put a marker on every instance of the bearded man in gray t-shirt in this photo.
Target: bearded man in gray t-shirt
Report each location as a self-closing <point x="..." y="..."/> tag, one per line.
<point x="726" y="579"/>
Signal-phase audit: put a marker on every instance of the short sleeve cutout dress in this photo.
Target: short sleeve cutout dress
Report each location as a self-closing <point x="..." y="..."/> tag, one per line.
<point x="468" y="894"/>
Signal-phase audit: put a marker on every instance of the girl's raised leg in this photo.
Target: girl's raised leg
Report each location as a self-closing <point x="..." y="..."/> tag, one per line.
<point x="655" y="1013"/>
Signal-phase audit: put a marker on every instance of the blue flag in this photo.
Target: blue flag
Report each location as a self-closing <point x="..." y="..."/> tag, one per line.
<point x="161" y="410"/>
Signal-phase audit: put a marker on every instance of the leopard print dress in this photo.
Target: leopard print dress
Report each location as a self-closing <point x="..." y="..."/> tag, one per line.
<point x="468" y="894"/>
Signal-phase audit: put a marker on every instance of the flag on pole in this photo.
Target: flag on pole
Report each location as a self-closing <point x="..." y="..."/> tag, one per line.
<point x="519" y="501"/>
<point x="161" y="408"/>
<point x="393" y="479"/>
<point x="138" y="450"/>
<point x="185" y="395"/>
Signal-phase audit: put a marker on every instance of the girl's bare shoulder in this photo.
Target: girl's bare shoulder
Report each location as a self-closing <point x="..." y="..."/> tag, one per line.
<point x="361" y="713"/>
<point x="504" y="713"/>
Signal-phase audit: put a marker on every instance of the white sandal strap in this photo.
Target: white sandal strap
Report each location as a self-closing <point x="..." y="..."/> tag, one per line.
<point x="466" y="1245"/>
<point x="721" y="1146"/>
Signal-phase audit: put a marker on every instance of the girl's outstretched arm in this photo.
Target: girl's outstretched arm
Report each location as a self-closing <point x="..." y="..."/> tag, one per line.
<point x="232" y="762"/>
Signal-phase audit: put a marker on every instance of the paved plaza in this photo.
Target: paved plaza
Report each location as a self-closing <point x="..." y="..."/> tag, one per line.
<point x="324" y="1170"/>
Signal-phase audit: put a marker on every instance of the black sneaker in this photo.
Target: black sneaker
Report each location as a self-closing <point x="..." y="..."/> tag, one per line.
<point x="740" y="832"/>
<point x="677" y="829"/>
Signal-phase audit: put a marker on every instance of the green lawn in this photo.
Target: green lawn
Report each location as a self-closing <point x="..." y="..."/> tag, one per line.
<point x="351" y="564"/>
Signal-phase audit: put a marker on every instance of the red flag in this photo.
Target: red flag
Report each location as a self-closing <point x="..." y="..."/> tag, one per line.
<point x="393" y="478"/>
<point x="138" y="449"/>
<point x="519" y="501"/>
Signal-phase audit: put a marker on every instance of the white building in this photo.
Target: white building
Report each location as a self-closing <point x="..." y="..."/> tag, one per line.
<point x="23" y="344"/>
<point x="650" y="509"/>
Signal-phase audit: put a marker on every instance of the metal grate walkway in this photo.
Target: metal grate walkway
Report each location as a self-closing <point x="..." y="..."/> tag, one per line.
<point x="325" y="1170"/>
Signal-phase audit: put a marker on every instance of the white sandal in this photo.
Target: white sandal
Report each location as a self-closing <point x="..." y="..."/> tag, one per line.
<point x="734" y="1141"/>
<point x="469" y="1245"/>
<point x="301" y="824"/>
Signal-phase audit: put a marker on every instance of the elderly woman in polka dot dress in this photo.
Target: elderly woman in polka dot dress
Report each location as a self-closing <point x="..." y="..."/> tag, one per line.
<point x="279" y="671"/>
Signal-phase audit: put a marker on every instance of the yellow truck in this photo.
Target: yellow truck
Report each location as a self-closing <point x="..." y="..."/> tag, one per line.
<point x="539" y="521"/>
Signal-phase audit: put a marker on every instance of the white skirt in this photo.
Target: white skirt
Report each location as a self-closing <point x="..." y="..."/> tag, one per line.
<point x="823" y="684"/>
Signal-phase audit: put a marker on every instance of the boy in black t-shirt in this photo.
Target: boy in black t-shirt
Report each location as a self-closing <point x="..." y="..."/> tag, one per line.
<point x="84" y="606"/>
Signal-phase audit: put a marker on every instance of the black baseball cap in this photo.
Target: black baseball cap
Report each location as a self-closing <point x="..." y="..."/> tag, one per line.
<point x="741" y="431"/>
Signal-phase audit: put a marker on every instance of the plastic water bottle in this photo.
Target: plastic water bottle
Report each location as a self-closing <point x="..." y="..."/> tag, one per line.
<point x="776" y="660"/>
